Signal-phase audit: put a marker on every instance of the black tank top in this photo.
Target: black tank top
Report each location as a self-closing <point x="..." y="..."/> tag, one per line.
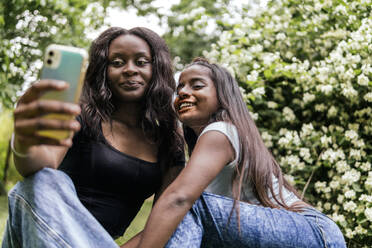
<point x="109" y="183"/>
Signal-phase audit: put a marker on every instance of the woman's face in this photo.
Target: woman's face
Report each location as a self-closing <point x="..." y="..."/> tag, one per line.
<point x="196" y="97"/>
<point x="130" y="69"/>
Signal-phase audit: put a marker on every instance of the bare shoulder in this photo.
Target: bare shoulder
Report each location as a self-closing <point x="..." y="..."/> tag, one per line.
<point x="214" y="141"/>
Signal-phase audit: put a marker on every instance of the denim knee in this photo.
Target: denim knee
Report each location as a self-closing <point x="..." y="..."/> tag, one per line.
<point x="44" y="180"/>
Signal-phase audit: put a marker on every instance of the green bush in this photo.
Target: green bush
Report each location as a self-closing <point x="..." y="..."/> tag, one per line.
<point x="305" y="70"/>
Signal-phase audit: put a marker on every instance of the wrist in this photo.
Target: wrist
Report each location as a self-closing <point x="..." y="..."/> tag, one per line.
<point x="17" y="153"/>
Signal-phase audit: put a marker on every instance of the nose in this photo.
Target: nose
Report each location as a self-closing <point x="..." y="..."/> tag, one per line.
<point x="130" y="68"/>
<point x="184" y="92"/>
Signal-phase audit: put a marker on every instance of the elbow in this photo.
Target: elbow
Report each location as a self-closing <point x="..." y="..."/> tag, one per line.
<point x="180" y="200"/>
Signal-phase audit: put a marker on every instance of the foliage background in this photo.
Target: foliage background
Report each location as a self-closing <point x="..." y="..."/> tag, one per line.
<point x="305" y="70"/>
<point x="304" y="67"/>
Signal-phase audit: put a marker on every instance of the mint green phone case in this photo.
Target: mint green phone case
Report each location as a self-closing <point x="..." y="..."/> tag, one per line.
<point x="67" y="64"/>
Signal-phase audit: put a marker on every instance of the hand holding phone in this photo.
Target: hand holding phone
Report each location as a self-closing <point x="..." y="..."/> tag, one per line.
<point x="67" y="64"/>
<point x="45" y="113"/>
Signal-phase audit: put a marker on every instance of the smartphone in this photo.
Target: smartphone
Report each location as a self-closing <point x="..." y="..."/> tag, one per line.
<point x="67" y="64"/>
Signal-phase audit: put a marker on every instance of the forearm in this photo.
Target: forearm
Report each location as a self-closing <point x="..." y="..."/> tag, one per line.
<point x="212" y="152"/>
<point x="32" y="163"/>
<point x="167" y="213"/>
<point x="133" y="242"/>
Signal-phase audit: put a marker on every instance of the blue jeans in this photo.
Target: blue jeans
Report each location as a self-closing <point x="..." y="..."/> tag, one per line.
<point x="44" y="211"/>
<point x="207" y="225"/>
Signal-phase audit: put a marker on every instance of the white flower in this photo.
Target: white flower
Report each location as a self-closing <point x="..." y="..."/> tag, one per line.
<point x="368" y="97"/>
<point x="349" y="233"/>
<point x="358" y="143"/>
<point x="366" y="166"/>
<point x="334" y="184"/>
<point x="293" y="160"/>
<point x="268" y="58"/>
<point x="305" y="153"/>
<point x="350" y="177"/>
<point x="355" y="154"/>
<point x="342" y="166"/>
<point x="327" y="206"/>
<point x="267" y="139"/>
<point x="350" y="194"/>
<point x="308" y="97"/>
<point x="340" y="199"/>
<point x="360" y="230"/>
<point x="290" y="179"/>
<point x="363" y="80"/>
<point x="368" y="213"/>
<point x="366" y="198"/>
<point x="254" y="116"/>
<point x="256" y="48"/>
<point x="368" y="182"/>
<point x="350" y="92"/>
<point x="288" y="114"/>
<point x="258" y="92"/>
<point x="280" y="36"/>
<point x="332" y="111"/>
<point x="338" y="217"/>
<point x="272" y="105"/>
<point x="335" y="208"/>
<point x="320" y="107"/>
<point x="319" y="186"/>
<point x="340" y="69"/>
<point x="325" y="140"/>
<point x="326" y="89"/>
<point x="351" y="135"/>
<point x="350" y="206"/>
<point x="307" y="130"/>
<point x="253" y="76"/>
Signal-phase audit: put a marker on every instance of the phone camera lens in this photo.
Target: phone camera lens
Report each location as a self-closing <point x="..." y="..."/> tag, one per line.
<point x="51" y="53"/>
<point x="49" y="61"/>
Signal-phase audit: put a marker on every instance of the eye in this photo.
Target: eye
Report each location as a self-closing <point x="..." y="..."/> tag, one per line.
<point x="142" y="61"/>
<point x="117" y="62"/>
<point x="197" y="86"/>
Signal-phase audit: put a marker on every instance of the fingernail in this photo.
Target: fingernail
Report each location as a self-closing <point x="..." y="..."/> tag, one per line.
<point x="61" y="83"/>
<point x="75" y="108"/>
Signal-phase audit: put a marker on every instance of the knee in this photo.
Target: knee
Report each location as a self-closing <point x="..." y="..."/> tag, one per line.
<point x="45" y="180"/>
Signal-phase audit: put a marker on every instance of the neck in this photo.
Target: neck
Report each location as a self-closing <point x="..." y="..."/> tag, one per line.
<point x="129" y="114"/>
<point x="198" y="129"/>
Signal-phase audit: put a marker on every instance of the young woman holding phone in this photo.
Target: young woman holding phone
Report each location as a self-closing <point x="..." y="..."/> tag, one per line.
<point x="85" y="190"/>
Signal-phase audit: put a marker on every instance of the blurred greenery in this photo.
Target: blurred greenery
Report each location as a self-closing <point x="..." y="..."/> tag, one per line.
<point x="3" y="215"/>
<point x="138" y="223"/>
<point x="27" y="27"/>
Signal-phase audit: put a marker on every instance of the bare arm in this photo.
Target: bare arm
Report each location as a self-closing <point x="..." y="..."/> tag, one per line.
<point x="133" y="242"/>
<point x="211" y="153"/>
<point x="41" y="152"/>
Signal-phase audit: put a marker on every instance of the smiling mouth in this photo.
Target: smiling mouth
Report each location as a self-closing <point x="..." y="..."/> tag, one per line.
<point x="185" y="105"/>
<point x="130" y="85"/>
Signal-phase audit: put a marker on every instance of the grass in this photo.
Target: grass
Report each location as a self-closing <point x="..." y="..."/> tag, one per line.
<point x="138" y="223"/>
<point x="3" y="215"/>
<point x="135" y="227"/>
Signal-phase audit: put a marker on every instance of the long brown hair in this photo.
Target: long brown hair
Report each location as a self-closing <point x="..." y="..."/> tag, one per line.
<point x="256" y="165"/>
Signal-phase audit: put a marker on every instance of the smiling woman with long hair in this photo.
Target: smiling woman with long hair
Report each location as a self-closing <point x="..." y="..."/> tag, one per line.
<point x="232" y="192"/>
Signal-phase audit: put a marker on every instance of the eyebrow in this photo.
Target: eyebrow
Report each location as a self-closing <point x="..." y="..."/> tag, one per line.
<point x="136" y="54"/>
<point x="193" y="80"/>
